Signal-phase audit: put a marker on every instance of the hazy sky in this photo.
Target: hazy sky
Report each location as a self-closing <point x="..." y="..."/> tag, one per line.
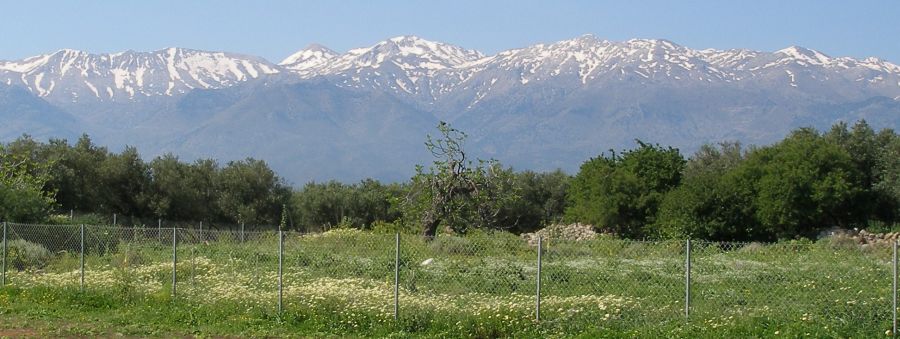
<point x="275" y="29"/>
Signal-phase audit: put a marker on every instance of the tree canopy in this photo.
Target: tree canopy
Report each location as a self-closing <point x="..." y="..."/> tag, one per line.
<point x="621" y="192"/>
<point x="848" y="176"/>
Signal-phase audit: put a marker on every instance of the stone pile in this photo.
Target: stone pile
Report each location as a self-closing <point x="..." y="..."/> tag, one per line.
<point x="865" y="237"/>
<point x="573" y="232"/>
<point x="860" y="237"/>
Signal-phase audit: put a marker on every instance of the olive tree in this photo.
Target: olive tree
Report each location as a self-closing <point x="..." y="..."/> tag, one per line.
<point x="455" y="191"/>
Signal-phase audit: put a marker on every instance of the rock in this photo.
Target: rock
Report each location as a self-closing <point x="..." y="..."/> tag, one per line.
<point x="573" y="232"/>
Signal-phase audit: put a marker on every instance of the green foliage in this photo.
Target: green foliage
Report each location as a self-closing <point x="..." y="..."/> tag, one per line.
<point x="887" y="178"/>
<point x="24" y="255"/>
<point x="621" y="193"/>
<point x="806" y="183"/>
<point x="123" y="183"/>
<point x="803" y="185"/>
<point x="283" y="224"/>
<point x="248" y="190"/>
<point x="91" y="179"/>
<point x="846" y="177"/>
<point x="796" y="188"/>
<point x="76" y="174"/>
<point x="393" y="227"/>
<point x="477" y="285"/>
<point x="87" y="219"/>
<point x="456" y="192"/>
<point x="542" y="201"/>
<point x="22" y="180"/>
<point x="320" y="206"/>
<point x="178" y="189"/>
<point x="871" y="155"/>
<point x="453" y="245"/>
<point x="710" y="203"/>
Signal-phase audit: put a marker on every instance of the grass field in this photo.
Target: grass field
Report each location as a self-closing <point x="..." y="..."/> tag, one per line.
<point x="341" y="283"/>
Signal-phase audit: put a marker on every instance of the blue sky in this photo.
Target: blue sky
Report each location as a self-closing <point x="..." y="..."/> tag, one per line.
<point x="275" y="29"/>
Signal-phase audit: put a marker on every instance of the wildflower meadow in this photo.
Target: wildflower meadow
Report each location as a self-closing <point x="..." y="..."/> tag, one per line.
<point x="141" y="281"/>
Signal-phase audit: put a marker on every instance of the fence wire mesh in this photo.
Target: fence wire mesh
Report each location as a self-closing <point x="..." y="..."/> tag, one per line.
<point x="354" y="275"/>
<point x="613" y="280"/>
<point x="829" y="281"/>
<point x="230" y="267"/>
<point x="465" y="277"/>
<point x="31" y="247"/>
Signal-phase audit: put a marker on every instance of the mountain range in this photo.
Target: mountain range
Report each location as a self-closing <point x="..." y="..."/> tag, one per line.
<point x="320" y="114"/>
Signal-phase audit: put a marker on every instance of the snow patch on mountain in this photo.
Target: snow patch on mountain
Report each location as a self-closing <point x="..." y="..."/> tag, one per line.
<point x="306" y="61"/>
<point x="424" y="71"/>
<point x="404" y="65"/>
<point x="71" y="75"/>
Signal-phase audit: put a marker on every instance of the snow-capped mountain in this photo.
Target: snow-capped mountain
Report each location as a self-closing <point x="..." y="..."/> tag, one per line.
<point x="797" y="66"/>
<point x="587" y="61"/>
<point x="406" y="65"/>
<point x="76" y="76"/>
<point x="427" y="71"/>
<point x="306" y="62"/>
<point x="321" y="114"/>
<point x="430" y="72"/>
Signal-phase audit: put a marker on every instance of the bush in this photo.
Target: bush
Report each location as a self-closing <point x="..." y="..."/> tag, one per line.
<point x="878" y="226"/>
<point x="841" y="242"/>
<point x="454" y="245"/>
<point x="621" y="192"/>
<point x="27" y="255"/>
<point x="392" y="227"/>
<point x="86" y="219"/>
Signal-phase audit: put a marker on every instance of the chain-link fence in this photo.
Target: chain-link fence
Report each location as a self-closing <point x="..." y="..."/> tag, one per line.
<point x="364" y="277"/>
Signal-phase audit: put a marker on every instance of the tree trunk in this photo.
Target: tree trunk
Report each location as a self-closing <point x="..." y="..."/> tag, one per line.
<point x="431" y="225"/>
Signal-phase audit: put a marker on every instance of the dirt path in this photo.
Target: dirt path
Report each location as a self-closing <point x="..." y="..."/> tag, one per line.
<point x="18" y="333"/>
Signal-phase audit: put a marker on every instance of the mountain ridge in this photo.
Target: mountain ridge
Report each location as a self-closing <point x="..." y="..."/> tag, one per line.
<point x="319" y="114"/>
<point x="444" y="64"/>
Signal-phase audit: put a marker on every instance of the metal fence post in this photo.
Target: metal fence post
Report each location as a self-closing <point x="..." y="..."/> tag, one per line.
<point x="687" y="278"/>
<point x="174" y="262"/>
<point x="397" y="277"/>
<point x="537" y="306"/>
<point x="242" y="232"/>
<point x="159" y="229"/>
<point x="894" y="290"/>
<point x="3" y="269"/>
<point x="82" y="257"/>
<point x="114" y="220"/>
<point x="201" y="232"/>
<point x="280" y="270"/>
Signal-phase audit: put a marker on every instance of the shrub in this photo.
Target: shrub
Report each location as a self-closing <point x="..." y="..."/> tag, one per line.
<point x="878" y="226"/>
<point x="454" y="245"/>
<point x="86" y="219"/>
<point x="345" y="224"/>
<point x="25" y="255"/>
<point x="391" y="227"/>
<point x="841" y="242"/>
<point x="621" y="192"/>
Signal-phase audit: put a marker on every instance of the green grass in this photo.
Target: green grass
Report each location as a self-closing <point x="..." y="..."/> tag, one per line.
<point x="483" y="285"/>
